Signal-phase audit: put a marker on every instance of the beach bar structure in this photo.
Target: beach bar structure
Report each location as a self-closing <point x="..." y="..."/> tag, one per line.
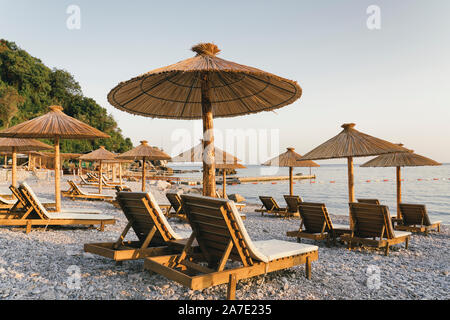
<point x="203" y="87"/>
<point x="398" y="160"/>
<point x="54" y="125"/>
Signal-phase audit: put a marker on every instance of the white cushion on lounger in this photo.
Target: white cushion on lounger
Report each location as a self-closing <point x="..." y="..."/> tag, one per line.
<point x="276" y="249"/>
<point x="341" y="226"/>
<point x="77" y="216"/>
<point x="8" y="201"/>
<point x="80" y="210"/>
<point x="398" y="234"/>
<point x="269" y="250"/>
<point x="162" y="217"/>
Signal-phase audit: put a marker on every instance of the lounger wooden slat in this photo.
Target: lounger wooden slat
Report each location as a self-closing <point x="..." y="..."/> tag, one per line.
<point x="372" y="226"/>
<point x="415" y="219"/>
<point x="316" y="224"/>
<point x="35" y="214"/>
<point x="146" y="219"/>
<point x="225" y="239"/>
<point x="292" y="204"/>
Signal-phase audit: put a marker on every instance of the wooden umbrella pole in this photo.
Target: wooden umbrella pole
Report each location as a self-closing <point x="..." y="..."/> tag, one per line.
<point x="209" y="174"/>
<point x="224" y="174"/>
<point x="14" y="167"/>
<point x="29" y="162"/>
<point x="291" y="181"/>
<point x="100" y="177"/>
<point x="57" y="176"/>
<point x="399" y="191"/>
<point x="143" y="174"/>
<point x="351" y="186"/>
<point x="120" y="174"/>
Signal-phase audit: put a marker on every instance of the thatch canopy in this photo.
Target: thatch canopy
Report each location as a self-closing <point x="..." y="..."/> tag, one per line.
<point x="53" y="124"/>
<point x="352" y="143"/>
<point x="22" y="145"/>
<point x="174" y="92"/>
<point x="195" y="154"/>
<point x="144" y="150"/>
<point x="98" y="155"/>
<point x="290" y="158"/>
<point x="403" y="159"/>
<point x="230" y="166"/>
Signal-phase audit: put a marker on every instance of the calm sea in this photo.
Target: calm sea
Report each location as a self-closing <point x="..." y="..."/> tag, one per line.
<point x="425" y="185"/>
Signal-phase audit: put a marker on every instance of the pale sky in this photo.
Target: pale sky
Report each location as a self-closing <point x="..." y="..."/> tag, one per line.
<point x="393" y="82"/>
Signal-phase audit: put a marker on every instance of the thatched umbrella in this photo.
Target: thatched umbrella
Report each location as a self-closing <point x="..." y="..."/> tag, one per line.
<point x="99" y="155"/>
<point x="54" y="125"/>
<point x="398" y="160"/>
<point x="14" y="145"/>
<point x="144" y="152"/>
<point x="223" y="160"/>
<point x="290" y="159"/>
<point x="350" y="143"/>
<point x="202" y="87"/>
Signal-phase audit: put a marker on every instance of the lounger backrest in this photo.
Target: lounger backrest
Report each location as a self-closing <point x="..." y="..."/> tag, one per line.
<point x="292" y="202"/>
<point x="174" y="200"/>
<point x="75" y="187"/>
<point x="215" y="222"/>
<point x="142" y="209"/>
<point x="369" y="201"/>
<point x="16" y="192"/>
<point x="32" y="200"/>
<point x="370" y="219"/>
<point x="414" y="214"/>
<point x="269" y="203"/>
<point x="313" y="216"/>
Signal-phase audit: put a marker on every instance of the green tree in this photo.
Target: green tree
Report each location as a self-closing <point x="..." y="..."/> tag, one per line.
<point x="10" y="99"/>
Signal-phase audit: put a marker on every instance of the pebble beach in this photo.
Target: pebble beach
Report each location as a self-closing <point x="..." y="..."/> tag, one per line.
<point x="49" y="263"/>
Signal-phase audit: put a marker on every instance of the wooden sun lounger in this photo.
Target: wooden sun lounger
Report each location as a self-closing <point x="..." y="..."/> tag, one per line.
<point x="415" y="219"/>
<point x="372" y="226"/>
<point x="123" y="188"/>
<point x="316" y="224"/>
<point x="292" y="204"/>
<point x="175" y="204"/>
<point x="35" y="214"/>
<point x="75" y="192"/>
<point x="221" y="236"/>
<point x="269" y="205"/>
<point x="154" y="233"/>
<point x="87" y="182"/>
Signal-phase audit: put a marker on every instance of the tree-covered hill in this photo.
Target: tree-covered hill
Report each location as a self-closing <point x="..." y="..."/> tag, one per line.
<point x="28" y="88"/>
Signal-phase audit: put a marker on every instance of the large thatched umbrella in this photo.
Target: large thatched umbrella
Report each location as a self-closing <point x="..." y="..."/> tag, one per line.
<point x="144" y="152"/>
<point x="223" y="160"/>
<point x="99" y="155"/>
<point x="290" y="159"/>
<point x="54" y="125"/>
<point x="202" y="87"/>
<point x="350" y="143"/>
<point x="14" y="145"/>
<point x="398" y="160"/>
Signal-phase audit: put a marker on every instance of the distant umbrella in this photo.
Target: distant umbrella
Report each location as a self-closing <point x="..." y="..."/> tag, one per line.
<point x="14" y="145"/>
<point x="290" y="159"/>
<point x="202" y="87"/>
<point x="398" y="160"/>
<point x="144" y="152"/>
<point x="54" y="125"/>
<point x="99" y="155"/>
<point x="351" y="143"/>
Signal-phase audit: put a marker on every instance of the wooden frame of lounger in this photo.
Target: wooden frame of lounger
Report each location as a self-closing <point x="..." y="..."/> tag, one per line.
<point x="372" y="226"/>
<point x="75" y="192"/>
<point x="155" y="235"/>
<point x="220" y="237"/>
<point x="316" y="223"/>
<point x="415" y="219"/>
<point x="292" y="203"/>
<point x="369" y="201"/>
<point x="269" y="205"/>
<point x="176" y="205"/>
<point x="33" y="215"/>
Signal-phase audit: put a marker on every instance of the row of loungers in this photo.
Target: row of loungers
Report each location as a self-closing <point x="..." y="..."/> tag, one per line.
<point x="29" y="211"/>
<point x="414" y="217"/>
<point x="200" y="260"/>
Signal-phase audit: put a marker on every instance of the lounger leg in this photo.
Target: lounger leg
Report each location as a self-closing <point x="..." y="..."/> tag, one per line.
<point x="406" y="243"/>
<point x="386" y="252"/>
<point x="231" y="292"/>
<point x="439" y="228"/>
<point x="308" y="268"/>
<point x="28" y="227"/>
<point x="299" y="240"/>
<point x="102" y="226"/>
